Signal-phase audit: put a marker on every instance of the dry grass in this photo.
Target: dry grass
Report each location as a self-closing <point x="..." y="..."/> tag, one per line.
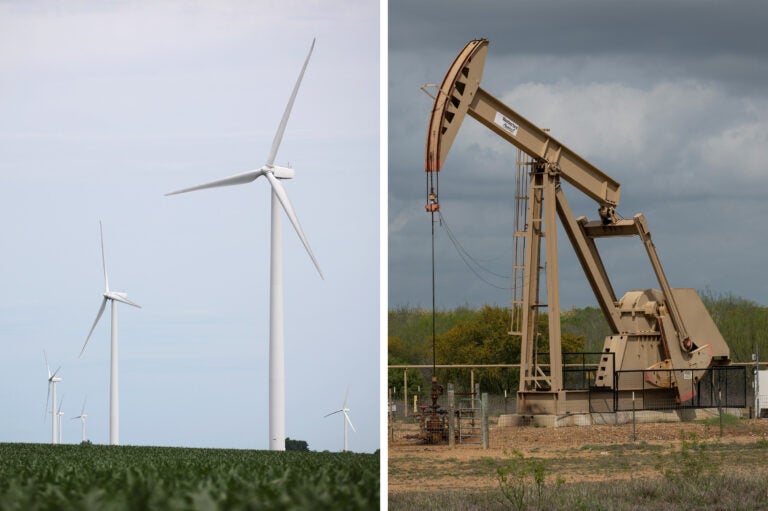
<point x="673" y="466"/>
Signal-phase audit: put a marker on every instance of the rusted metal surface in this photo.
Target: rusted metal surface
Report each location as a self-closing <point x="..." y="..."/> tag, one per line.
<point x="433" y="419"/>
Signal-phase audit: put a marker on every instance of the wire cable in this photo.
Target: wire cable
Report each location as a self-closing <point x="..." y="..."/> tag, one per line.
<point x="466" y="257"/>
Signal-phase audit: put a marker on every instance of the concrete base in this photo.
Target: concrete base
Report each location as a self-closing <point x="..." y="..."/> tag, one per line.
<point x="588" y="419"/>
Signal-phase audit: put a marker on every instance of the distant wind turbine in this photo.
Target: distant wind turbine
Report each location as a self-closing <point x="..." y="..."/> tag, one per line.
<point x="59" y="415"/>
<point x="114" y="297"/>
<point x="82" y="417"/>
<point x="274" y="174"/>
<point x="346" y="419"/>
<point x="52" y="381"/>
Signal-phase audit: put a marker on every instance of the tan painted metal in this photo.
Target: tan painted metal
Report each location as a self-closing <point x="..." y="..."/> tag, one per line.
<point x="521" y="132"/>
<point x="452" y="101"/>
<point x="652" y="330"/>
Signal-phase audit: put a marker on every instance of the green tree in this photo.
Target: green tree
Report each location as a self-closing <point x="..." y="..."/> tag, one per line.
<point x="588" y="322"/>
<point x="296" y="445"/>
<point x="742" y="323"/>
<point x="395" y="377"/>
<point x="482" y="339"/>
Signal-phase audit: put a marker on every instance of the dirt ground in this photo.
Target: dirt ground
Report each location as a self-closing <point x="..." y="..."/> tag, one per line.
<point x="574" y="454"/>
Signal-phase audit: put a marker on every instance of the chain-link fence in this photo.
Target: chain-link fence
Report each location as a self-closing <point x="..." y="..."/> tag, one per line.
<point x="497" y="404"/>
<point x="724" y="387"/>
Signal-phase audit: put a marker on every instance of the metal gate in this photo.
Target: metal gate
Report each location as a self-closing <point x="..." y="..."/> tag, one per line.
<point x="468" y="419"/>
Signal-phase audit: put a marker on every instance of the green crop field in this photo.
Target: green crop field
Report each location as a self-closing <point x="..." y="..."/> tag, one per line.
<point x="63" y="477"/>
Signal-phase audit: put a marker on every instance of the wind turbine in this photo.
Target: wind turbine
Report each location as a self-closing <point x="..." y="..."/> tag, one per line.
<point x="113" y="297"/>
<point x="52" y="381"/>
<point x="346" y="420"/>
<point x="274" y="173"/>
<point x="59" y="415"/>
<point x="82" y="417"/>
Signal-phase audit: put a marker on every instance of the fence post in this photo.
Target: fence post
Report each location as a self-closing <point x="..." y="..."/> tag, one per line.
<point x="484" y="420"/>
<point x="505" y="401"/>
<point x="633" y="437"/>
<point x="389" y="415"/>
<point x="451" y="414"/>
<point x="475" y="401"/>
<point x="405" y="392"/>
<point x="720" y="408"/>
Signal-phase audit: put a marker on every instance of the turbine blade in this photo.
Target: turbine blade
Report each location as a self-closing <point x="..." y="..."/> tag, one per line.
<point x="45" y="356"/>
<point x="61" y="403"/>
<point x="56" y="372"/>
<point x="284" y="121"/>
<point x="332" y="413"/>
<point x="346" y="397"/>
<point x="237" y="179"/>
<point x="277" y="187"/>
<point x="98" y="317"/>
<point x="82" y="412"/>
<point x="350" y="422"/>
<point x="103" y="259"/>
<point x="123" y="299"/>
<point x="47" y="399"/>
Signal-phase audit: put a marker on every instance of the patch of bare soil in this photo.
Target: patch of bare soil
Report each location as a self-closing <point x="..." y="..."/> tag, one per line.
<point x="574" y="454"/>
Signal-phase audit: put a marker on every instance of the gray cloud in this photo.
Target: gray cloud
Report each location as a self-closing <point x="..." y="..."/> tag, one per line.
<point x="563" y="27"/>
<point x="667" y="98"/>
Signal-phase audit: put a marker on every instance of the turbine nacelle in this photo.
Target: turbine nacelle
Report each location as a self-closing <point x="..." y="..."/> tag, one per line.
<point x="119" y="297"/>
<point x="279" y="172"/>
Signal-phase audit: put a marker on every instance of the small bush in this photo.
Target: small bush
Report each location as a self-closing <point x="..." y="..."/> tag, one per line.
<point x="523" y="481"/>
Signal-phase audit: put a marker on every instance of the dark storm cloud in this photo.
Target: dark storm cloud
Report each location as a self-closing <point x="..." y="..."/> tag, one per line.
<point x="718" y="40"/>
<point x="669" y="98"/>
<point x="588" y="26"/>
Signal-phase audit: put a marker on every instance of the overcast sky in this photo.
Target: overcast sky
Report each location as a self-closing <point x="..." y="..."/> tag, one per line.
<point x="106" y="106"/>
<point x="670" y="98"/>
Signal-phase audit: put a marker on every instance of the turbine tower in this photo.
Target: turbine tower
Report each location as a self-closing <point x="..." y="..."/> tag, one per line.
<point x="346" y="420"/>
<point x="274" y="174"/>
<point x="113" y="297"/>
<point x="59" y="415"/>
<point x="52" y="381"/>
<point x="82" y="417"/>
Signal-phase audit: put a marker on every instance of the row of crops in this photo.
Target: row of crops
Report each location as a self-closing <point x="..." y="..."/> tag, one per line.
<point x="62" y="477"/>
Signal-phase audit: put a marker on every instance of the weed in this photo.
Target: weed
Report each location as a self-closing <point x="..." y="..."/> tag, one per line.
<point x="695" y="468"/>
<point x="729" y="422"/>
<point x="523" y="481"/>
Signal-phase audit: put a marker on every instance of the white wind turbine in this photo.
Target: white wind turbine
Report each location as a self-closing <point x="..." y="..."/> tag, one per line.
<point x="114" y="297"/>
<point x="82" y="417"/>
<point x="59" y="415"/>
<point x="346" y="420"/>
<point x="52" y="381"/>
<point x="274" y="174"/>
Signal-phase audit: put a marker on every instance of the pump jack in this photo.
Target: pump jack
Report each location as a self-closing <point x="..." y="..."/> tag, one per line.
<point x="661" y="334"/>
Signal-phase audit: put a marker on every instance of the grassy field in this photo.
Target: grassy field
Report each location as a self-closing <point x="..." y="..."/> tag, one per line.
<point x="63" y="477"/>
<point x="697" y="475"/>
<point x="728" y="493"/>
<point x="683" y="466"/>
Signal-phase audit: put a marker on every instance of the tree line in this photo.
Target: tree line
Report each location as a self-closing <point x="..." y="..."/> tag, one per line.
<point x="480" y="336"/>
